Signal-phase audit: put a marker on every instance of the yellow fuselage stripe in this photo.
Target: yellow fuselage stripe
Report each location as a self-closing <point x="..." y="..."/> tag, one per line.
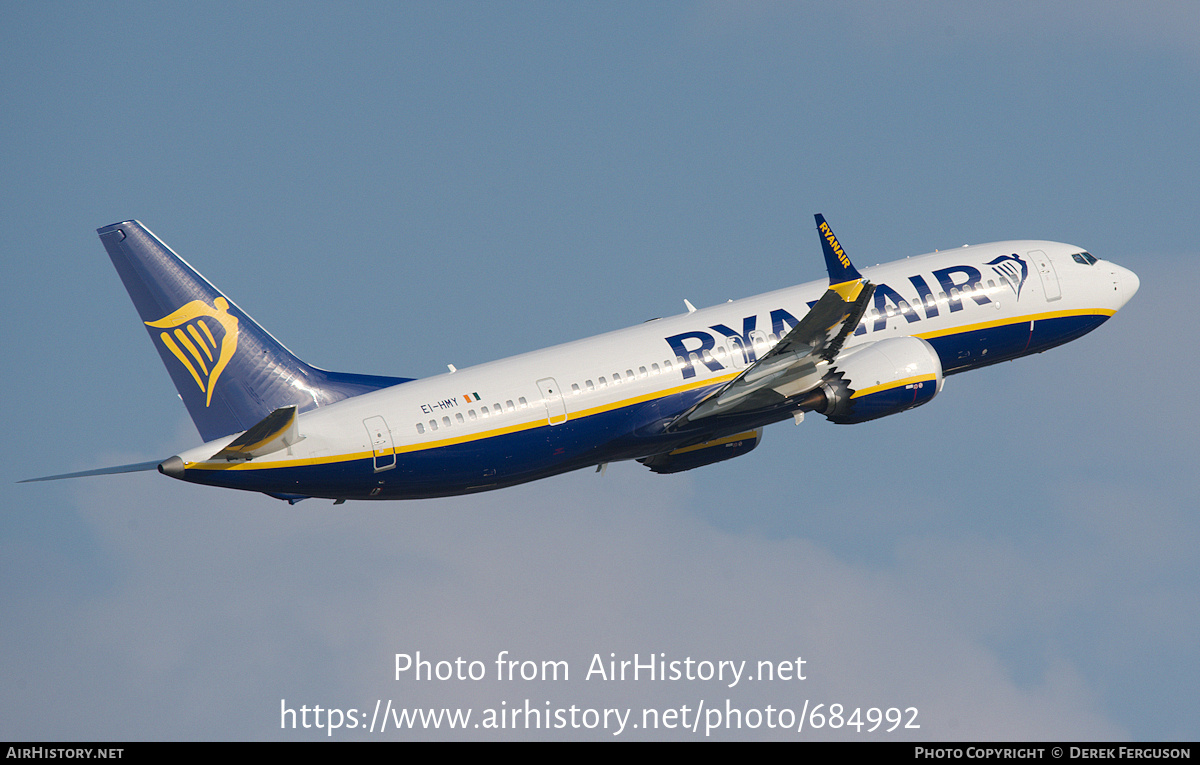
<point x="541" y="421"/>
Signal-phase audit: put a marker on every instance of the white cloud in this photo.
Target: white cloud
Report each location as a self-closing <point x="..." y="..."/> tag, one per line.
<point x="222" y="604"/>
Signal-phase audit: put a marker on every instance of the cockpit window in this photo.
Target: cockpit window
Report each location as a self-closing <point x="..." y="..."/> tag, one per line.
<point x="1086" y="258"/>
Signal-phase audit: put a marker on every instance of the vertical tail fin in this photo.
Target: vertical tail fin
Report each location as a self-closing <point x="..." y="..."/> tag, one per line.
<point x="229" y="371"/>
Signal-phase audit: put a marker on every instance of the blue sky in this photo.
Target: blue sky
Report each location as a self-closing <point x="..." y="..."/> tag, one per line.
<point x="389" y="188"/>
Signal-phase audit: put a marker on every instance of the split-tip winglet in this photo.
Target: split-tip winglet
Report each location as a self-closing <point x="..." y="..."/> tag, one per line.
<point x="837" y="262"/>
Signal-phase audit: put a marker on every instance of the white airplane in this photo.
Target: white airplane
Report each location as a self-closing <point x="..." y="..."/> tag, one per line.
<point x="673" y="393"/>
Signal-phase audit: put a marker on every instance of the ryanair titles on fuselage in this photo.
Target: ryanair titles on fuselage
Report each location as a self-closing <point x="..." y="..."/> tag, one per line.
<point x="953" y="281"/>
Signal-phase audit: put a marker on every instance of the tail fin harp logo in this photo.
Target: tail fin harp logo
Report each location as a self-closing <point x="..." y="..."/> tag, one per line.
<point x="192" y="341"/>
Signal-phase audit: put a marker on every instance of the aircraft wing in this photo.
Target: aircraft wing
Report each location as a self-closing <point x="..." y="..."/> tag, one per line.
<point x="798" y="362"/>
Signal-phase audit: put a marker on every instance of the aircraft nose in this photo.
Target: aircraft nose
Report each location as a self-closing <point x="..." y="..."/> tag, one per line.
<point x="1127" y="283"/>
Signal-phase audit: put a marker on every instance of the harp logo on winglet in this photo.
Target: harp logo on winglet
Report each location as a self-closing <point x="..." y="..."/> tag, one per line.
<point x="188" y="334"/>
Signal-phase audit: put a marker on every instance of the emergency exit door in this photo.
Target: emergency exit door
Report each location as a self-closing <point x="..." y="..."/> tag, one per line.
<point x="381" y="443"/>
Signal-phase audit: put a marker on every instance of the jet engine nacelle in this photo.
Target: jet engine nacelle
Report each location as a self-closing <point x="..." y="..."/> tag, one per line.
<point x="885" y="377"/>
<point x="707" y="453"/>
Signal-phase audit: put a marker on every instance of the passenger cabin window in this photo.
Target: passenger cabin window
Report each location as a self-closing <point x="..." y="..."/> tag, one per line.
<point x="458" y="416"/>
<point x="446" y="421"/>
<point x="575" y="388"/>
<point x="522" y="402"/>
<point x="433" y="424"/>
<point x="420" y="428"/>
<point x="642" y="372"/>
<point x="590" y="386"/>
<point x="508" y="405"/>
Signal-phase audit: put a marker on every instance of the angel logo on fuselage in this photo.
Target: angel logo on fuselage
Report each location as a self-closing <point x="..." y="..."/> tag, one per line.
<point x="1005" y="267"/>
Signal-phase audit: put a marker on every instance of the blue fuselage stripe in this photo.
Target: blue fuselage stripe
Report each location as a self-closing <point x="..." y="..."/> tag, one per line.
<point x="625" y="433"/>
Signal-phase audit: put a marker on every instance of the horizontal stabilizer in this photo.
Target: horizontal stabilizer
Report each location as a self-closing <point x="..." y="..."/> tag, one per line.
<point x="136" y="467"/>
<point x="278" y="430"/>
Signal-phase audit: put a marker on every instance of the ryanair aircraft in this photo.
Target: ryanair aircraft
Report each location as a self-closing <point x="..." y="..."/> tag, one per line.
<point x="674" y="393"/>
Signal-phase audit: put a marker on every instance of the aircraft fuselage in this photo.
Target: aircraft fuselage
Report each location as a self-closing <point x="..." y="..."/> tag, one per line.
<point x="610" y="397"/>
